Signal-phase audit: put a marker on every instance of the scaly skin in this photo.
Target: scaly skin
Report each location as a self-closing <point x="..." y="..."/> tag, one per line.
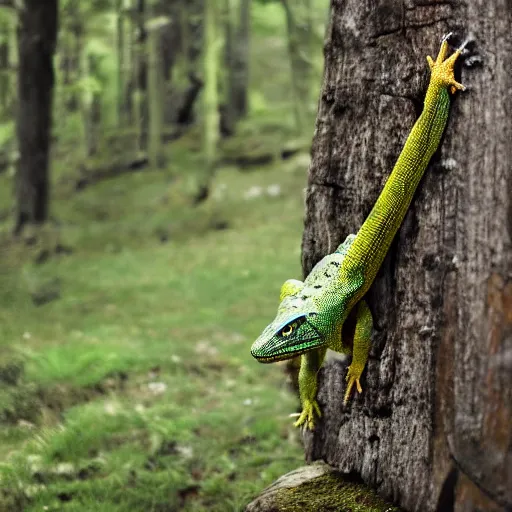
<point x="327" y="310"/>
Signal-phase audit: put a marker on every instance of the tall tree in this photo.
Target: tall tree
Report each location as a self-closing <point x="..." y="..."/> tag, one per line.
<point x="5" y="72"/>
<point x="300" y="46"/>
<point x="155" y="90"/>
<point x="230" y="116"/>
<point x="90" y="102"/>
<point x="37" y="34"/>
<point x="121" y="62"/>
<point x="239" y="70"/>
<point x="140" y="67"/>
<point x="432" y="429"/>
<point x="210" y="99"/>
<point x="192" y="42"/>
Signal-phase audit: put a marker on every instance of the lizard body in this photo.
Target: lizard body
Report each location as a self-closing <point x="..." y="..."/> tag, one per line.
<point x="327" y="310"/>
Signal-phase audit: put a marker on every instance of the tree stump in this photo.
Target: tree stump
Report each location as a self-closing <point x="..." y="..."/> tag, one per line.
<point x="432" y="429"/>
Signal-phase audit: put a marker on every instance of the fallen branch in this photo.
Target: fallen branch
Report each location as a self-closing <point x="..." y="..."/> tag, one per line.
<point x="90" y="177"/>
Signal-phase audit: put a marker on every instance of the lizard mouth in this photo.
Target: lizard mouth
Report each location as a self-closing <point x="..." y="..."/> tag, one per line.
<point x="272" y="347"/>
<point x="280" y="356"/>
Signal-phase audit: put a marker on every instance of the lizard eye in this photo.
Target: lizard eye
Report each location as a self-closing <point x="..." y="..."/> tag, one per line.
<point x="286" y="331"/>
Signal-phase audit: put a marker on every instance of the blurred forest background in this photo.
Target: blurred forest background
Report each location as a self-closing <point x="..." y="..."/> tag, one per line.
<point x="152" y="166"/>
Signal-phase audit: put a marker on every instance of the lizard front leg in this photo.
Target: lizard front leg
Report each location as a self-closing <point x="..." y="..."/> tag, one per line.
<point x="361" y="347"/>
<point x="308" y="385"/>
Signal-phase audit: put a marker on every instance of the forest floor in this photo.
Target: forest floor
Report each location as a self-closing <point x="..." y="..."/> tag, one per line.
<point x="126" y="380"/>
<point x="126" y="377"/>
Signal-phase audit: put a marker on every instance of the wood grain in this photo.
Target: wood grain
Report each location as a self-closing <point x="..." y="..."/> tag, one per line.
<point x="433" y="427"/>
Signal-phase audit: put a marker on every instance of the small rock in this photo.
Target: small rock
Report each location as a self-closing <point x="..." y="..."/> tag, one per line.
<point x="318" y="487"/>
<point x="274" y="190"/>
<point x="65" y="470"/>
<point x="203" y="347"/>
<point x="111" y="408"/>
<point x="254" y="191"/>
<point x="34" y="463"/>
<point x="26" y="424"/>
<point x="157" y="388"/>
<point x="185" y="451"/>
<point x="33" y="490"/>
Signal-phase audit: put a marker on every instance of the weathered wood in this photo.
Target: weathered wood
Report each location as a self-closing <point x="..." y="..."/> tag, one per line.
<point x="433" y="427"/>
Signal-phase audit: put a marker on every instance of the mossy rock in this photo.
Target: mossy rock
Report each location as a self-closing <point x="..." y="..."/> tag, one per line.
<point x="319" y="488"/>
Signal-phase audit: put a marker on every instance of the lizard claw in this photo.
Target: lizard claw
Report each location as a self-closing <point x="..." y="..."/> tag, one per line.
<point x="442" y="67"/>
<point x="446" y="37"/>
<point x="307" y="417"/>
<point x="353" y="376"/>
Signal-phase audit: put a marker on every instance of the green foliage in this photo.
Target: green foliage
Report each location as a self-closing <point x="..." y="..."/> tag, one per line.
<point x="7" y="133"/>
<point x="268" y="19"/>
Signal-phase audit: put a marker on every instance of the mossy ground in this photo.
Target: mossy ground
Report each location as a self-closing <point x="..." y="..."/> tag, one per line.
<point x="331" y="492"/>
<point x="138" y="376"/>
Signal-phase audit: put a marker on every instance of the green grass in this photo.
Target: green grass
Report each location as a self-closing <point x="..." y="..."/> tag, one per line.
<point x="134" y="389"/>
<point x="140" y="374"/>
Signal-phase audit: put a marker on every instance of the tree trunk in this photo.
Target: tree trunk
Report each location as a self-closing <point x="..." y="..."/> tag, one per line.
<point x="210" y="100"/>
<point x="192" y="35"/>
<point x="432" y="429"/>
<point x="239" y="73"/>
<point x="230" y="115"/>
<point x="121" y="63"/>
<point x="5" y="73"/>
<point x="88" y="128"/>
<point x="139" y="100"/>
<point x="155" y="91"/>
<point x="300" y="34"/>
<point x="37" y="33"/>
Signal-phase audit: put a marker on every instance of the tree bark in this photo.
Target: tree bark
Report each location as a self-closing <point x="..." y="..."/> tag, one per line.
<point x="37" y="33"/>
<point x="121" y="63"/>
<point x="5" y="73"/>
<point x="432" y="429"/>
<point x="299" y="26"/>
<point x="210" y="101"/>
<point x="239" y="72"/>
<point x="155" y="91"/>
<point x="139" y="95"/>
<point x="230" y="114"/>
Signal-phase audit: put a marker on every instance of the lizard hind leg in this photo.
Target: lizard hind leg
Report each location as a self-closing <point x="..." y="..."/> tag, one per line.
<point x="360" y="348"/>
<point x="308" y="384"/>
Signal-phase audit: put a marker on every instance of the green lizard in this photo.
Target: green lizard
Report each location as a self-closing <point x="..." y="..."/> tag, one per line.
<point x="311" y="314"/>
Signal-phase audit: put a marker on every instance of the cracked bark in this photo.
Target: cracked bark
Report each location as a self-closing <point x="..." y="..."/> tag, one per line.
<point x="433" y="427"/>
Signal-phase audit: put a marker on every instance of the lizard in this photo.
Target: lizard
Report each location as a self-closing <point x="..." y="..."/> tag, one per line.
<point x="311" y="314"/>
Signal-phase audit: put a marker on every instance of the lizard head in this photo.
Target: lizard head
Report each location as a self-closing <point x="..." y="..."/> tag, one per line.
<point x="292" y="332"/>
